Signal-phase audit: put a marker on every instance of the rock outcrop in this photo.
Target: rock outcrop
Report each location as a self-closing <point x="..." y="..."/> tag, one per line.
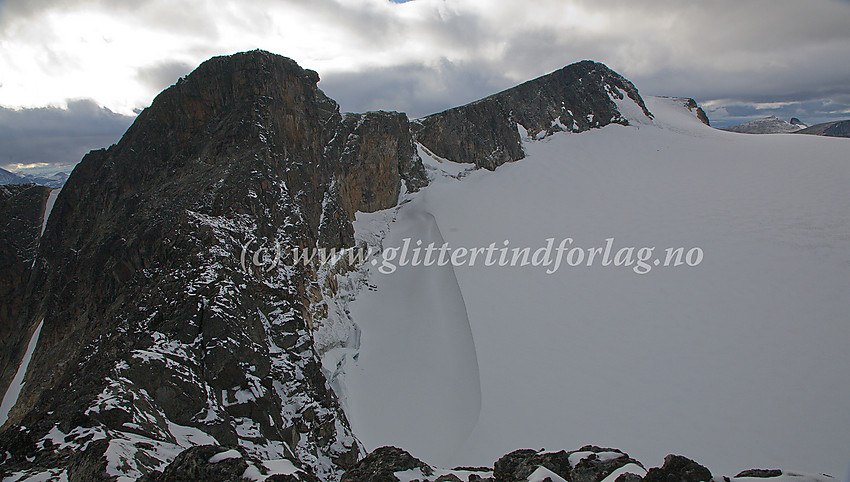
<point x="587" y="464"/>
<point x="678" y="469"/>
<point x="575" y="98"/>
<point x="692" y="106"/>
<point x="203" y="463"/>
<point x="382" y="464"/>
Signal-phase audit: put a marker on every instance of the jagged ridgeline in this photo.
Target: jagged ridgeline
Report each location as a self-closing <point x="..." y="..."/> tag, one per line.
<point x="575" y="98"/>
<point x="153" y="339"/>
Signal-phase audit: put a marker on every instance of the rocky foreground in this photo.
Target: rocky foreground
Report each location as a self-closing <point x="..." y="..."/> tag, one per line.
<point x="391" y="464"/>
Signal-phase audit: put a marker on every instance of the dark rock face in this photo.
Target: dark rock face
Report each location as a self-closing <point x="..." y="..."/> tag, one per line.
<point x="692" y="106"/>
<point x="762" y="473"/>
<point x="382" y="463"/>
<point x="829" y="129"/>
<point x="21" y="212"/>
<point x="375" y="155"/>
<point x="155" y="339"/>
<point x="575" y="98"/>
<point x="678" y="469"/>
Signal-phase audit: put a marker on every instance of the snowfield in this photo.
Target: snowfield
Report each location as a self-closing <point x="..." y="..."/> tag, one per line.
<point x="741" y="361"/>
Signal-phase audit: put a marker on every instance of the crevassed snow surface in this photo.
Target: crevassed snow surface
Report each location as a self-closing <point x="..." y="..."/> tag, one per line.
<point x="14" y="390"/>
<point x="742" y="361"/>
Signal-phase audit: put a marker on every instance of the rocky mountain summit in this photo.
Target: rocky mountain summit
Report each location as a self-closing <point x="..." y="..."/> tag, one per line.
<point x="147" y="349"/>
<point x="487" y="132"/>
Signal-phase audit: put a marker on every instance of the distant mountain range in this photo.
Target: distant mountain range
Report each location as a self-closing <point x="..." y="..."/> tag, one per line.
<point x="56" y="180"/>
<point x="775" y="125"/>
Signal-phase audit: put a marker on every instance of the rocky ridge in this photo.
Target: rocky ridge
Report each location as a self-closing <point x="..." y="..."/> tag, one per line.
<point x="486" y="133"/>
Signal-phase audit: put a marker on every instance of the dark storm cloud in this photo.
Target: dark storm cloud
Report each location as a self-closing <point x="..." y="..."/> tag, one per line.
<point x="58" y="136"/>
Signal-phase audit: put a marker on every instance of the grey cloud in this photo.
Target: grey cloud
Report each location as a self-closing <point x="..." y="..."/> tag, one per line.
<point x="416" y="89"/>
<point x="725" y="52"/>
<point x="58" y="136"/>
<point x="163" y="74"/>
<point x="367" y="26"/>
<point x="187" y="18"/>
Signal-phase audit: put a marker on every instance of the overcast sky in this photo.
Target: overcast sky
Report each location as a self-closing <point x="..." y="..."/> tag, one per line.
<point x="73" y="73"/>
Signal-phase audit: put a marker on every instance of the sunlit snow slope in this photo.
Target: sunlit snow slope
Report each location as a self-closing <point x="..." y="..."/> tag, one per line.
<point x="742" y="361"/>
